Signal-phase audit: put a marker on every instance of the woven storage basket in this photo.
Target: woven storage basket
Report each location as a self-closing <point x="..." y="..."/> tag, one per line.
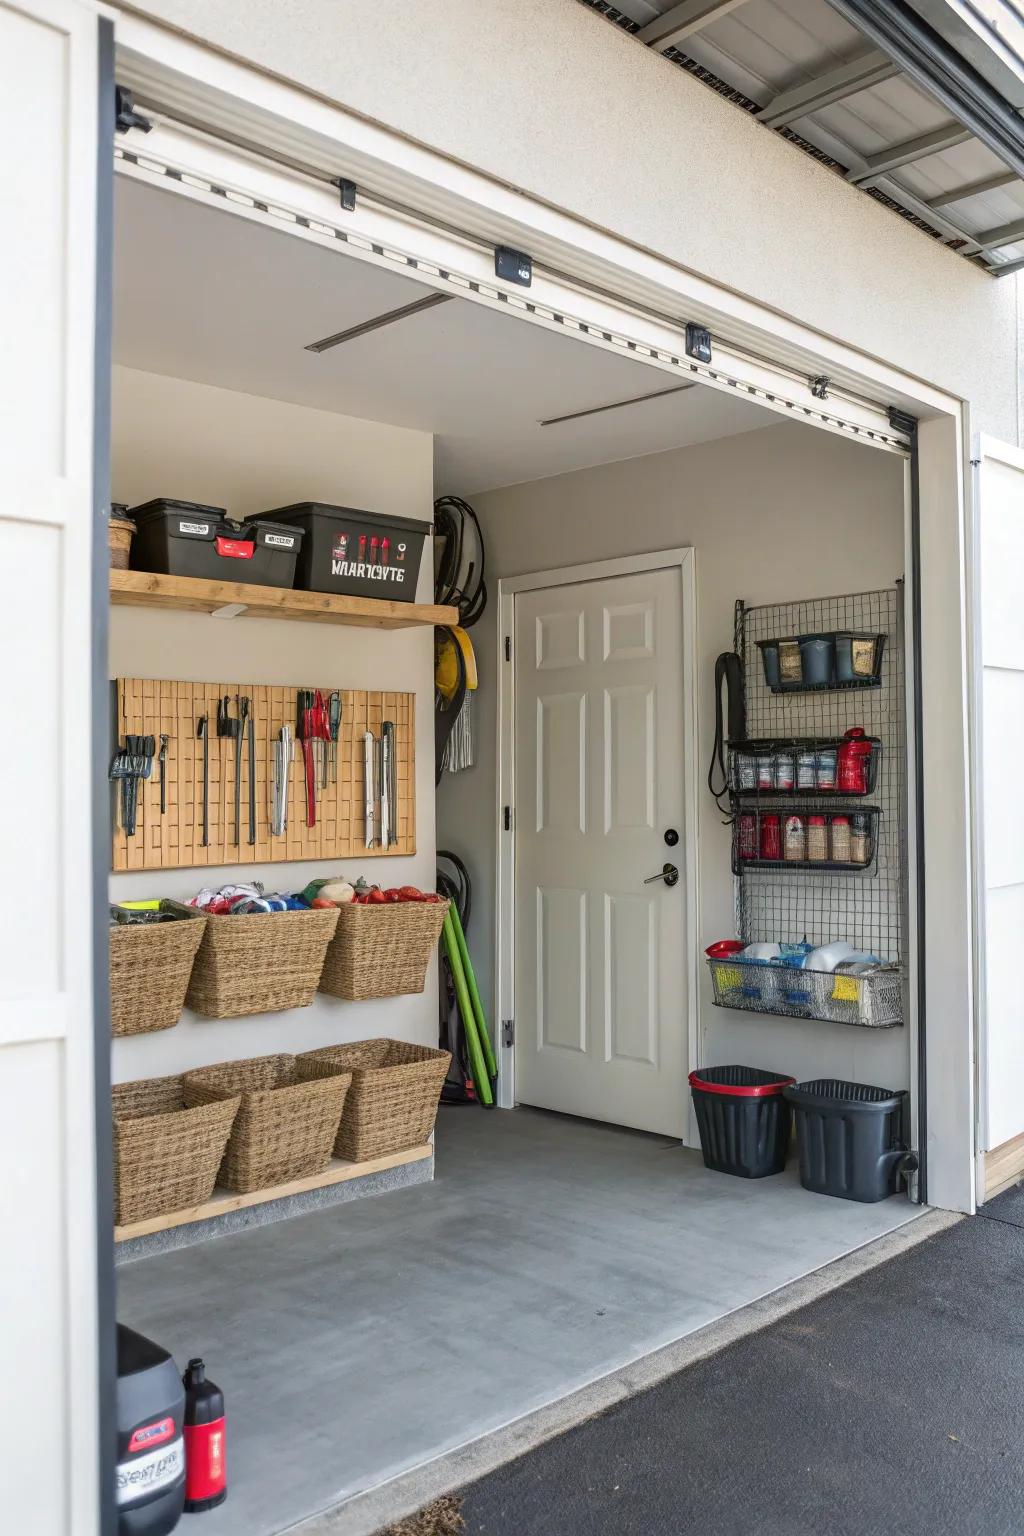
<point x="260" y="962"/>
<point x="150" y="964"/>
<point x="119" y="540"/>
<point x="382" y="951"/>
<point x="166" y="1155"/>
<point x="392" y="1103"/>
<point x="285" y="1126"/>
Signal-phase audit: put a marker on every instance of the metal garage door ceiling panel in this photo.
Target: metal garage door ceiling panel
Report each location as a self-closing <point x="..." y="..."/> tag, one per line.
<point x="876" y="90"/>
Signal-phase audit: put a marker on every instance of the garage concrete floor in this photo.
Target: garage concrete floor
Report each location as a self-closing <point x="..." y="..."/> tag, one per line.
<point x="357" y="1342"/>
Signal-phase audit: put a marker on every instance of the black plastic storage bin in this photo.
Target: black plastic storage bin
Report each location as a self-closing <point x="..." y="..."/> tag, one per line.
<point x="150" y="1475"/>
<point x="354" y="553"/>
<point x="849" y="1138"/>
<point x="184" y="538"/>
<point x="743" y="1120"/>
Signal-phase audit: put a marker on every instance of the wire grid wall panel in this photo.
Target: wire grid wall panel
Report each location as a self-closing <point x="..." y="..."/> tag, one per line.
<point x="866" y="910"/>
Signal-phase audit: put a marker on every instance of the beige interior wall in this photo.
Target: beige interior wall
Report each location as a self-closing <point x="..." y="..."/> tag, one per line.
<point x="786" y="512"/>
<point x="196" y="443"/>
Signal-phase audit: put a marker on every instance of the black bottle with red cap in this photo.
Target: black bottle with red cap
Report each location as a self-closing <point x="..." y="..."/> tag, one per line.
<point x="206" y="1483"/>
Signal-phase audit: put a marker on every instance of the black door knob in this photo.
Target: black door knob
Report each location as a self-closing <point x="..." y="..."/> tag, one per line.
<point x="671" y="837"/>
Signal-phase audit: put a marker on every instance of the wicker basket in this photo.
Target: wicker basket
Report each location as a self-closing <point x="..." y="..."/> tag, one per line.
<point x="166" y="1155"/>
<point x="285" y="1127"/>
<point x="382" y="951"/>
<point x="119" y="538"/>
<point x="150" y="964"/>
<point x="392" y="1103"/>
<point x="260" y="962"/>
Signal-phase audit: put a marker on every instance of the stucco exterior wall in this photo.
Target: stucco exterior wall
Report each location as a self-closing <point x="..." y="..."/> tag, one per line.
<point x="548" y="97"/>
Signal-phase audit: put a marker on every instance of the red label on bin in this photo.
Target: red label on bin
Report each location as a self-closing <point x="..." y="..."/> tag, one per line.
<point x="235" y="549"/>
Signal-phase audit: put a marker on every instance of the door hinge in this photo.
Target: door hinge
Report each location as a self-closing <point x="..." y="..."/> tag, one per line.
<point x="508" y="1032"/>
<point x="506" y="818"/>
<point x="346" y="193"/>
<point x="125" y="115"/>
<point x="508" y="647"/>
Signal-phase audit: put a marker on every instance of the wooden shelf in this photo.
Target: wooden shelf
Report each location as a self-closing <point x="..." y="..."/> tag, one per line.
<point x="224" y="1200"/>
<point x="234" y="599"/>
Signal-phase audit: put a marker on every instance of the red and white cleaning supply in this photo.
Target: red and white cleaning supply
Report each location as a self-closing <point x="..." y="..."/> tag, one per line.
<point x="206" y="1480"/>
<point x="854" y="762"/>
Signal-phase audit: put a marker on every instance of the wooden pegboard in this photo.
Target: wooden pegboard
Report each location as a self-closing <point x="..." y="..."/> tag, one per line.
<point x="145" y="707"/>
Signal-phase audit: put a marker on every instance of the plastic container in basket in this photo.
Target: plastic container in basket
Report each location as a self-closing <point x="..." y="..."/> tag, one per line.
<point x="869" y="997"/>
<point x="743" y="1120"/>
<point x="382" y="950"/>
<point x="166" y="1152"/>
<point x="392" y="1103"/>
<point x="260" y="962"/>
<point x="850" y="1138"/>
<point x="286" y="1124"/>
<point x="150" y="966"/>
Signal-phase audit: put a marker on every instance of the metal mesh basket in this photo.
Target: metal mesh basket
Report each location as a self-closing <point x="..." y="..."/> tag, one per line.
<point x="816" y="838"/>
<point x="873" y="1000"/>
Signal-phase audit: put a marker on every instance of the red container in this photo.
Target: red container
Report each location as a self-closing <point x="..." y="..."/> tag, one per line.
<point x="723" y="948"/>
<point x="854" y="762"/>
<point x="771" y="838"/>
<point x="206" y="1481"/>
<point x="747" y="840"/>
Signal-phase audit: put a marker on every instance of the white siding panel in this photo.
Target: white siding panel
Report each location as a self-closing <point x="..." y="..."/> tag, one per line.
<point x="30" y="560"/>
<point x="49" y="52"/>
<point x="32" y="269"/>
<point x="32" y="1298"/>
<point x="1000" y="559"/>
<point x="1004" y="924"/>
<point x="1003" y="759"/>
<point x="1002" y="566"/>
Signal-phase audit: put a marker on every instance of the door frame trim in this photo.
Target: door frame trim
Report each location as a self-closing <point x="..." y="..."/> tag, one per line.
<point x="683" y="560"/>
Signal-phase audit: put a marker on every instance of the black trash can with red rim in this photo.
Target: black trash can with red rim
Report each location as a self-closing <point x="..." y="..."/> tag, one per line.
<point x="743" y="1120"/>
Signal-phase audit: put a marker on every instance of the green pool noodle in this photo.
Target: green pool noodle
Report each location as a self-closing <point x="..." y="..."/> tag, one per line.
<point x="478" y="1007"/>
<point x="481" y="1082"/>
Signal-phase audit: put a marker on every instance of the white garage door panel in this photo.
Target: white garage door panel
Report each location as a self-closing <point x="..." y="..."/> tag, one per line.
<point x="1002" y="565"/>
<point x="30" y="576"/>
<point x="1003" y="765"/>
<point x="49" y="56"/>
<point x="32" y="379"/>
<point x="32" y="1298"/>
<point x="999" y="494"/>
<point x="1005" y="1009"/>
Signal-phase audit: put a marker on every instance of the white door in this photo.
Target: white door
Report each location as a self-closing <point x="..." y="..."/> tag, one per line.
<point x="600" y="962"/>
<point x="49" y="1405"/>
<point x="999" y="560"/>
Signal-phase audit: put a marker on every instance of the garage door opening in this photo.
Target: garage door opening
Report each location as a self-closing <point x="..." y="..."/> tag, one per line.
<point x="623" y="513"/>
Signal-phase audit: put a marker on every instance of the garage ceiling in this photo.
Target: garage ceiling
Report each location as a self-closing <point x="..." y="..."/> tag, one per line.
<point x="208" y="296"/>
<point x="831" y="75"/>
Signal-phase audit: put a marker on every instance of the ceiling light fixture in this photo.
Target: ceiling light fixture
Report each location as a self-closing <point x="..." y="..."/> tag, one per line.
<point x="378" y="321"/>
<point x="616" y="405"/>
